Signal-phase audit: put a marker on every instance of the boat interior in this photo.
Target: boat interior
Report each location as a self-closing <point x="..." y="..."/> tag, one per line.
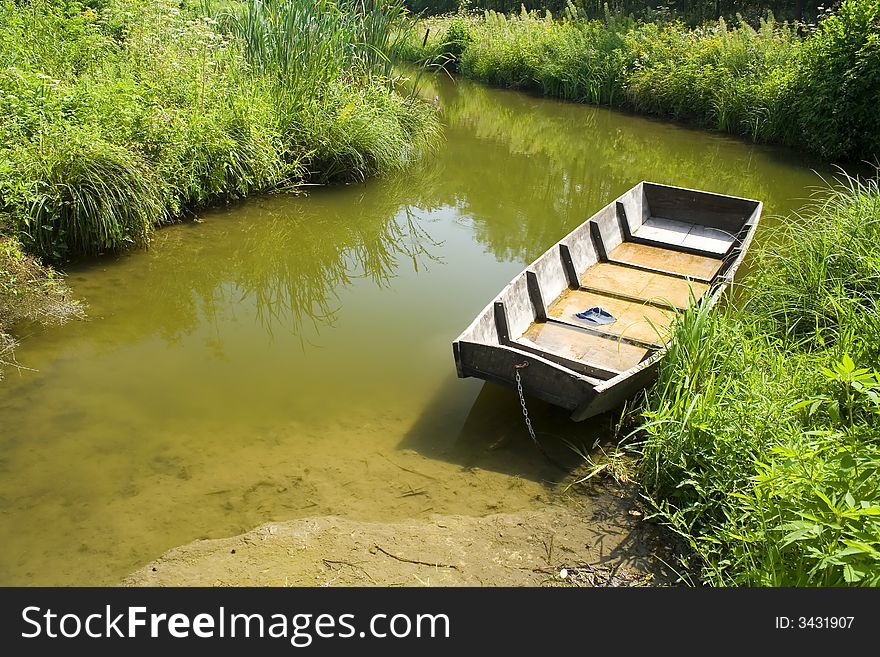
<point x="642" y="259"/>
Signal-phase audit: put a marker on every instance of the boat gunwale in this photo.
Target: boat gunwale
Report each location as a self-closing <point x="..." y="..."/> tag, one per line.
<point x="716" y="287"/>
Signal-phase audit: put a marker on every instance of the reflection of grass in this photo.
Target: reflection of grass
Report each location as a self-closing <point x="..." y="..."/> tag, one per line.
<point x="760" y="437"/>
<point x="28" y="292"/>
<point x="769" y="84"/>
<point x="291" y="262"/>
<point x="297" y="274"/>
<point x="543" y="167"/>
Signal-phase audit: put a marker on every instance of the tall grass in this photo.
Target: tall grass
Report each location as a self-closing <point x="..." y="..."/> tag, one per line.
<point x="817" y="92"/>
<point x="760" y="439"/>
<point x="117" y="115"/>
<point x="692" y="11"/>
<point x="318" y="42"/>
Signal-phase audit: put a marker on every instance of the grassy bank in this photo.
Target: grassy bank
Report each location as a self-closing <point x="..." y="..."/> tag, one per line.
<point x="760" y="443"/>
<point x="816" y="93"/>
<point x="692" y="11"/>
<point x="118" y="115"/>
<point x="29" y="292"/>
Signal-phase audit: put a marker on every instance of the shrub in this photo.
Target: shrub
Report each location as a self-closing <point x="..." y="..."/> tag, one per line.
<point x="75" y="192"/>
<point x="760" y="439"/>
<point x="839" y="83"/>
<point x="818" y="93"/>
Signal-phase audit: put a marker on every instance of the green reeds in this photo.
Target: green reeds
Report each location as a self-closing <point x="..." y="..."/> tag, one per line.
<point x="759" y="443"/>
<point x="816" y="92"/>
<point x="317" y="42"/>
<point x="114" y="120"/>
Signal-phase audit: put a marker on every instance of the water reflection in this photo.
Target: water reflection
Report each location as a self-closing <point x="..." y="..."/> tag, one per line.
<point x="527" y="170"/>
<point x="284" y="258"/>
<point x="292" y="267"/>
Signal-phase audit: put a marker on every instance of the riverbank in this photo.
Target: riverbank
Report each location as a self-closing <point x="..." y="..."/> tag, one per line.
<point x="760" y="445"/>
<point x="580" y="539"/>
<point x="117" y="116"/>
<point x="817" y="93"/>
<point x="29" y="292"/>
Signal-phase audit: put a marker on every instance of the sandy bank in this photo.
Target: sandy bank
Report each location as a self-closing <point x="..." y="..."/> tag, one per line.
<point x="599" y="540"/>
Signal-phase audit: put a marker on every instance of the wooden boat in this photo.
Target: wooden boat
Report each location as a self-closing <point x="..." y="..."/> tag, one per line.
<point x="642" y="259"/>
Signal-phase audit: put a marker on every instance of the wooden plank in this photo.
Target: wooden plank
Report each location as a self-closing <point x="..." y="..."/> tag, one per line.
<point x="598" y="242"/>
<point x="569" y="342"/>
<point x="624" y="222"/>
<point x="637" y="321"/>
<point x="656" y="303"/>
<point x="576" y="365"/>
<point x="502" y="326"/>
<point x="665" y="261"/>
<point x="579" y="366"/>
<point x="692" y="238"/>
<point x="539" y="379"/>
<point x="709" y="239"/>
<point x="662" y="230"/>
<point x="679" y="247"/>
<point x="616" y="394"/>
<point x="568" y="265"/>
<point x="535" y="295"/>
<point x="595" y="330"/>
<point x="641" y="285"/>
<point x="693" y="206"/>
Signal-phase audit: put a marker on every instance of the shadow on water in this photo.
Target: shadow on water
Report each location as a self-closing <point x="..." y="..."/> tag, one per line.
<point x="493" y="435"/>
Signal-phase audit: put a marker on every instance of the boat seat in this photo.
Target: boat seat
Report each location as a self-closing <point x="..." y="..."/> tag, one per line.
<point x="670" y="231"/>
<point x="664" y="260"/>
<point x="607" y="278"/>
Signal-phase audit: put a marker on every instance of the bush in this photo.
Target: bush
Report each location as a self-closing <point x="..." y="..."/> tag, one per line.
<point x="838" y="89"/>
<point x="116" y="115"/>
<point x="817" y="93"/>
<point x="81" y="194"/>
<point x="760" y="439"/>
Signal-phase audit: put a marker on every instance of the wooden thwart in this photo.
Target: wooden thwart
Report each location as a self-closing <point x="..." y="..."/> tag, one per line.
<point x="684" y="237"/>
<point x="658" y="289"/>
<point x="665" y="261"/>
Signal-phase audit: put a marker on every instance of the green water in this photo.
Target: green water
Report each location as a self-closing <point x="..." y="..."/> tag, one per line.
<point x="291" y="356"/>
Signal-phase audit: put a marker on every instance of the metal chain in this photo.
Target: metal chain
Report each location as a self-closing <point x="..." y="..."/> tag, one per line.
<point x="522" y="401"/>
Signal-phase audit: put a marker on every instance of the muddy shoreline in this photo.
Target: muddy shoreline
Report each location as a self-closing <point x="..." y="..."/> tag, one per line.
<point x="595" y="537"/>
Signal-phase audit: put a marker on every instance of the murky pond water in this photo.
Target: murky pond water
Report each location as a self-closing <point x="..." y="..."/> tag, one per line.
<point x="291" y="356"/>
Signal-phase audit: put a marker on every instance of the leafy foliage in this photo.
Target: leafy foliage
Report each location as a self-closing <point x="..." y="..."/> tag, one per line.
<point x="818" y="92"/>
<point x="760" y="439"/>
<point x="117" y="115"/>
<point x="692" y="11"/>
